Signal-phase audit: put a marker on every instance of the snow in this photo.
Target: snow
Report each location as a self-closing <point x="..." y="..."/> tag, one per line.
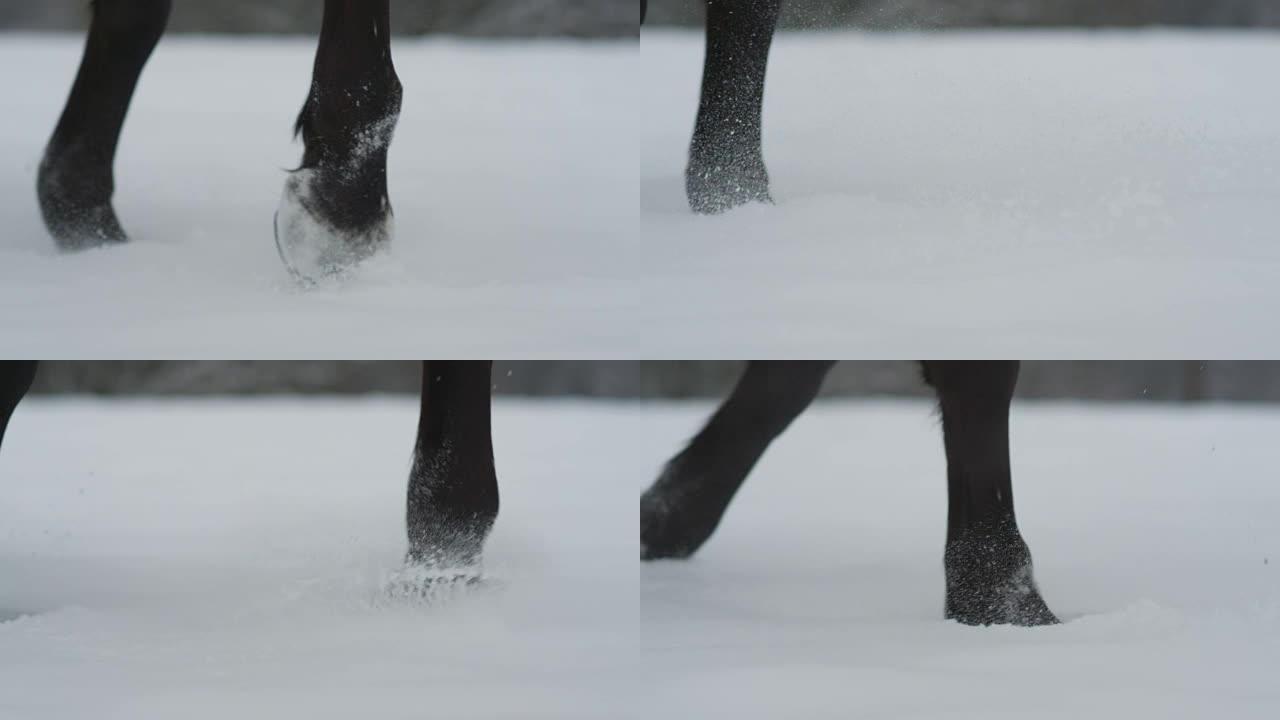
<point x="1068" y="194"/>
<point x="236" y="569"/>
<point x="227" y="558"/>
<point x="1154" y="536"/>
<point x="512" y="176"/>
<point x="1065" y="194"/>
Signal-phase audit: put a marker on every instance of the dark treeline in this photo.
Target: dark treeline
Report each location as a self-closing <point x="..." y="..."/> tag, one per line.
<point x="487" y="18"/>
<point x="1137" y="381"/>
<point x="905" y="14"/>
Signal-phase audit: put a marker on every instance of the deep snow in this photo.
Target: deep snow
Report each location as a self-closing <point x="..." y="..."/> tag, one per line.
<point x="243" y="578"/>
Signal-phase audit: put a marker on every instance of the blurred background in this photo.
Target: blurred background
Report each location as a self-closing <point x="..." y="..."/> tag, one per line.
<point x="905" y="14"/>
<point x="483" y="18"/>
<point x="1133" y="381"/>
<point x="619" y="18"/>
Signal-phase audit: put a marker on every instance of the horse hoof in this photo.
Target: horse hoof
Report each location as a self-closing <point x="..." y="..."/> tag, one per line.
<point x="312" y="247"/>
<point x="1029" y="611"/>
<point x="714" y="189"/>
<point x="431" y="584"/>
<point x="1016" y="601"/>
<point x="668" y="529"/>
<point x="75" y="221"/>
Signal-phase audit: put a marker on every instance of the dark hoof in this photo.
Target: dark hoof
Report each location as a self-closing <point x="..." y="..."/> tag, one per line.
<point x="676" y="518"/>
<point x="314" y="248"/>
<point x="990" y="582"/>
<point x="663" y="536"/>
<point x="714" y="189"/>
<point x="1019" y="606"/>
<point x="77" y="212"/>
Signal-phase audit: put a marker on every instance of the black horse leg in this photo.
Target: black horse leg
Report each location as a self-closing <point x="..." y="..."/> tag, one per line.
<point x="726" y="163"/>
<point x="76" y="178"/>
<point x="453" y="489"/>
<point x="682" y="508"/>
<point x="988" y="565"/>
<point x="16" y="377"/>
<point x="335" y="211"/>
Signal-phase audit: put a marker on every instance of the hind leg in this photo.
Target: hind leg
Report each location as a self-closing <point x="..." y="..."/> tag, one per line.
<point x="726" y="162"/>
<point x="76" y="178"/>
<point x="16" y="377"/>
<point x="988" y="564"/>
<point x="682" y="508"/>
<point x="453" y="489"/>
<point x="334" y="211"/>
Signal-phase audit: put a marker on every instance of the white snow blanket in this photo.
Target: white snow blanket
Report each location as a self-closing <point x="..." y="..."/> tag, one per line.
<point x="219" y="559"/>
<point x="512" y="176"/>
<point x="1065" y="194"/>
<point x="1049" y="194"/>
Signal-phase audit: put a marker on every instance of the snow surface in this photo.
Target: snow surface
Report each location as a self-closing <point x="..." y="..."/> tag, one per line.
<point x="169" y="576"/>
<point x="221" y="559"/>
<point x="1107" y="195"/>
<point x="1154" y="533"/>
<point x="987" y="194"/>
<point x="512" y="176"/>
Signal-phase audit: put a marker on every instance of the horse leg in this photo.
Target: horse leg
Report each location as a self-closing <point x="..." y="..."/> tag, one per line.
<point x="453" y="489"/>
<point x="684" y="505"/>
<point x="726" y="163"/>
<point x="16" y="377"/>
<point x="76" y="178"/>
<point x="988" y="565"/>
<point x="334" y="211"/>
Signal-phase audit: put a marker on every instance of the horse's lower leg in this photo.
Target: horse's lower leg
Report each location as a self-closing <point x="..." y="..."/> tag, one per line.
<point x="453" y="489"/>
<point x="726" y="163"/>
<point x="988" y="565"/>
<point x="335" y="210"/>
<point x="76" y="178"/>
<point x="16" y="377"/>
<point x="682" y="508"/>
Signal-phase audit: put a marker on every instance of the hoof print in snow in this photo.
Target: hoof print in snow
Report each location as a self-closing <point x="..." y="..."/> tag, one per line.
<point x="314" y="243"/>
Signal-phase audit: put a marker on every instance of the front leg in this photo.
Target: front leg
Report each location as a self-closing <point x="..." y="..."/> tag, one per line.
<point x="335" y="211"/>
<point x="76" y="179"/>
<point x="988" y="564"/>
<point x="453" y="489"/>
<point x="684" y="505"/>
<point x="16" y="377"/>
<point x="726" y="162"/>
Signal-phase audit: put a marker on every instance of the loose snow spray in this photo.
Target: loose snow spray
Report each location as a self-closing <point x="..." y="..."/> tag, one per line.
<point x="312" y="248"/>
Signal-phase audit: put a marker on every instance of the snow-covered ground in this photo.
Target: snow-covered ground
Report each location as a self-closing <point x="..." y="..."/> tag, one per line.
<point x="226" y="559"/>
<point x="513" y="178"/>
<point x="965" y="194"/>
<point x="173" y="576"/>
<point x="1065" y="194"/>
<point x="1156" y="537"/>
